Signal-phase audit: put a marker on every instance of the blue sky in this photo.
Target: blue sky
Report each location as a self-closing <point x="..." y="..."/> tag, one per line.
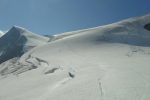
<point x="57" y="16"/>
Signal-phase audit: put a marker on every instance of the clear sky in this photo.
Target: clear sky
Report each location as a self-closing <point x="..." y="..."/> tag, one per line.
<point x="57" y="16"/>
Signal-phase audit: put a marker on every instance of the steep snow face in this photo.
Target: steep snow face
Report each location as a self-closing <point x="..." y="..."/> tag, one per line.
<point x="104" y="63"/>
<point x="17" y="41"/>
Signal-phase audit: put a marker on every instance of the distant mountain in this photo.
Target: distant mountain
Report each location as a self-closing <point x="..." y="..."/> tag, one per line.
<point x="17" y="41"/>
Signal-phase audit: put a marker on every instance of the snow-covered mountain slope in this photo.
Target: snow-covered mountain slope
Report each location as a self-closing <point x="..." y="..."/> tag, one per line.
<point x="109" y="62"/>
<point x="17" y="41"/>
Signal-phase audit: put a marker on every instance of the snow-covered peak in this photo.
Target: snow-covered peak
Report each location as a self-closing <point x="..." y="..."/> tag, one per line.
<point x="20" y="29"/>
<point x="17" y="41"/>
<point x="17" y="30"/>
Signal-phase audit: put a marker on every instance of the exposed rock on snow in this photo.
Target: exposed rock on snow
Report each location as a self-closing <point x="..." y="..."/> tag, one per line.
<point x="147" y="26"/>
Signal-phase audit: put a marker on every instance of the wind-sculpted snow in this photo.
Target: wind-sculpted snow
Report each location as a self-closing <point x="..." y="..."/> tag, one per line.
<point x="13" y="66"/>
<point x="109" y="62"/>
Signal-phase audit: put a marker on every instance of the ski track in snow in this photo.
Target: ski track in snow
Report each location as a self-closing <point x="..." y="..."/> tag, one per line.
<point x="52" y="88"/>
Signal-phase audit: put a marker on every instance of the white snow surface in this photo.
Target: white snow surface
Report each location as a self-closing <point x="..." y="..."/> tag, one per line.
<point x="109" y="62"/>
<point x="1" y="33"/>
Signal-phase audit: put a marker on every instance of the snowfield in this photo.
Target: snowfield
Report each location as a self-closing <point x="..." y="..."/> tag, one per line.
<point x="109" y="62"/>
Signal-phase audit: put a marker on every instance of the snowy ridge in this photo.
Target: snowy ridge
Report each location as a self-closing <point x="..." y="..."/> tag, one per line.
<point x="130" y="31"/>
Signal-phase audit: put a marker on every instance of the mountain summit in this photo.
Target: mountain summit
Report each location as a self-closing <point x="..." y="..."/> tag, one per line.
<point x="17" y="41"/>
